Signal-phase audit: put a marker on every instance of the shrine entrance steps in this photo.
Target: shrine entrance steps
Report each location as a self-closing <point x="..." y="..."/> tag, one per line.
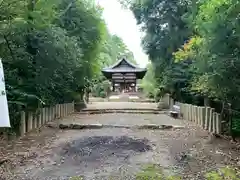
<point x="136" y="115"/>
<point x="128" y="97"/>
<point x="121" y="106"/>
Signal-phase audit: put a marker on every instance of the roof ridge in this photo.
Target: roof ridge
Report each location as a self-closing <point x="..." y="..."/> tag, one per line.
<point x="119" y="61"/>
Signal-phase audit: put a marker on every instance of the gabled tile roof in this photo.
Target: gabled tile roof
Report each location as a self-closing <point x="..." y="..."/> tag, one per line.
<point x="124" y="66"/>
<point x="118" y="68"/>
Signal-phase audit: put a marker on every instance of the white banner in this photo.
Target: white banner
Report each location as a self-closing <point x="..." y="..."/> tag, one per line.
<point x="4" y="114"/>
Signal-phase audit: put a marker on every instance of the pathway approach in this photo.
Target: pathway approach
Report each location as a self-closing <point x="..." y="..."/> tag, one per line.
<point x="115" y="146"/>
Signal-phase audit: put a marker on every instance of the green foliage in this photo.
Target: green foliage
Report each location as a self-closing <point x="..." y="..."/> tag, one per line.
<point x="52" y="50"/>
<point x="193" y="46"/>
<point x="101" y="88"/>
<point x="148" y="84"/>
<point x="165" y="31"/>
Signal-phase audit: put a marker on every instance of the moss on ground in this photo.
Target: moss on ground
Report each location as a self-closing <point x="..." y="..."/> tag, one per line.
<point x="76" y="178"/>
<point x="224" y="174"/>
<point x="154" y="172"/>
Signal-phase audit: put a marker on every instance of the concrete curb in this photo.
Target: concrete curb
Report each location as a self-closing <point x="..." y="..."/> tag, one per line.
<point x="125" y="111"/>
<point x="101" y="126"/>
<point x="122" y="109"/>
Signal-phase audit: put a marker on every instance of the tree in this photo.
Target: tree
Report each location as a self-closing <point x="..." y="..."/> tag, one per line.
<point x="166" y="31"/>
<point x="51" y="50"/>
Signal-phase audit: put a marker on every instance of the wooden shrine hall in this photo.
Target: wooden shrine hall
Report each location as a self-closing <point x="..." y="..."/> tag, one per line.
<point x="124" y="75"/>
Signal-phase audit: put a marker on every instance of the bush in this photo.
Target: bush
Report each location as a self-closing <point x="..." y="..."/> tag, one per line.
<point x="102" y="94"/>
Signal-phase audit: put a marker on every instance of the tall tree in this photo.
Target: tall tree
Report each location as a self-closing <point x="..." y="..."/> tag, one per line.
<point x="166" y="31"/>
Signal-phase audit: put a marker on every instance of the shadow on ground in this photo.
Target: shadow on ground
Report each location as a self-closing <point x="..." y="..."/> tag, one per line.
<point x="101" y="148"/>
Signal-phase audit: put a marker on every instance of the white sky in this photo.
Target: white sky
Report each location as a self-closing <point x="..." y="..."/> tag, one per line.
<point x="122" y="23"/>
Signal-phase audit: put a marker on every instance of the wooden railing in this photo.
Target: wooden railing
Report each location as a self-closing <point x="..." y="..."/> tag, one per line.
<point x="33" y="120"/>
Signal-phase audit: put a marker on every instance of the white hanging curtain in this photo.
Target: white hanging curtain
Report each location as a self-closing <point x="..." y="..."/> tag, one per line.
<point x="4" y="113"/>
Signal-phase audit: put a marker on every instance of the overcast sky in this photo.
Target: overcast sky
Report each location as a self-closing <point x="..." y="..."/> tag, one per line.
<point x="122" y="23"/>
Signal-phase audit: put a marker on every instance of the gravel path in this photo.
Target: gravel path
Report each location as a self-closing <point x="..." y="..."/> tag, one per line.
<point x="121" y="119"/>
<point x="114" y="153"/>
<point x="121" y="153"/>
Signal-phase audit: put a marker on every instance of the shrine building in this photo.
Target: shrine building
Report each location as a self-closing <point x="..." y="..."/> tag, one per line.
<point x="124" y="75"/>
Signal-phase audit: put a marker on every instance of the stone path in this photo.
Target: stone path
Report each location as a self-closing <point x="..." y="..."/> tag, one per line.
<point x="115" y="153"/>
<point x="122" y="105"/>
<point x="121" y="119"/>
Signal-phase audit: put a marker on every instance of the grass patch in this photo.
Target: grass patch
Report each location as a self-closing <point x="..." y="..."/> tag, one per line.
<point x="76" y="178"/>
<point x="226" y="173"/>
<point x="154" y="172"/>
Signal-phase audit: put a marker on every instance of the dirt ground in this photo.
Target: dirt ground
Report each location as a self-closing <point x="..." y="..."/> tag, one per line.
<point x="114" y="154"/>
<point x="121" y="119"/>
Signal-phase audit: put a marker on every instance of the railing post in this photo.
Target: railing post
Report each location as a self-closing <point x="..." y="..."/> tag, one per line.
<point x="207" y="117"/>
<point x="219" y="124"/>
<point x="30" y="121"/>
<point x="73" y="107"/>
<point x="65" y="109"/>
<point x="48" y="114"/>
<point x="203" y="109"/>
<point x="198" y="115"/>
<point x="53" y="107"/>
<point x="34" y="120"/>
<point x="40" y="118"/>
<point x="43" y="116"/>
<point x="61" y="110"/>
<point x="189" y="112"/>
<point x="23" y="123"/>
<point x="214" y="122"/>
<point x="195" y="112"/>
<point x="52" y="113"/>
<point x="55" y="112"/>
<point x="210" y="128"/>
